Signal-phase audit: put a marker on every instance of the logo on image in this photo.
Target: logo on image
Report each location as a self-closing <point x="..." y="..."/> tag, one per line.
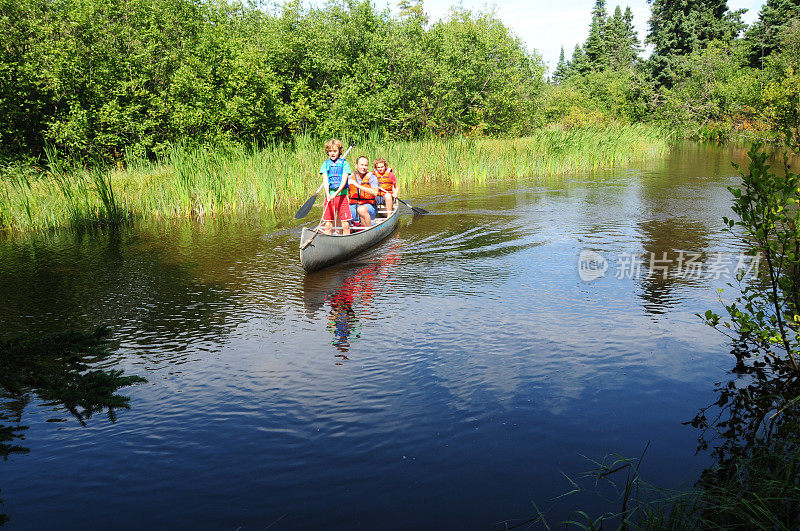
<point x="591" y="265"/>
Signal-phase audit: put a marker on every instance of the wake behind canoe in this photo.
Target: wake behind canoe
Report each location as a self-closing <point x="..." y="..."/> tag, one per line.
<point x="318" y="250"/>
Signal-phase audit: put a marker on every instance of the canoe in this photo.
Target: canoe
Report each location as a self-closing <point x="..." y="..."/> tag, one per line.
<point x="318" y="250"/>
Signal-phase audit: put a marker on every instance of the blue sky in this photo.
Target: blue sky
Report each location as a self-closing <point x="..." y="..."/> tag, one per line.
<point x="547" y="25"/>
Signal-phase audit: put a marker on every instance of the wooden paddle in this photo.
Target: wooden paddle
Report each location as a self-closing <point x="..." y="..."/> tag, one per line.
<point x="417" y="210"/>
<point x="306" y="208"/>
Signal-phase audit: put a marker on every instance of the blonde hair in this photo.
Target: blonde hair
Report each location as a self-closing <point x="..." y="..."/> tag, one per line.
<point x="379" y="161"/>
<point x="334" y="143"/>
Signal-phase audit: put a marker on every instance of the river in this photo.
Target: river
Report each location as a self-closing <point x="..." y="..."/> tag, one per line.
<point x="451" y="377"/>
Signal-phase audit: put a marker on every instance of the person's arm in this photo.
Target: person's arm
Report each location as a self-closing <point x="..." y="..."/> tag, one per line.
<point x="345" y="181"/>
<point x="394" y="184"/>
<point x="346" y="171"/>
<point x="369" y="189"/>
<point x="374" y="186"/>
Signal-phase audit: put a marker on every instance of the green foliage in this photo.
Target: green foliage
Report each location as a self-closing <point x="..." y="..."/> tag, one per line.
<point x="203" y="180"/>
<point x="562" y="68"/>
<point x="781" y="95"/>
<point x="678" y="28"/>
<point x="579" y="64"/>
<point x="716" y="87"/>
<point x="765" y="318"/>
<point x="764" y="36"/>
<point x="99" y="79"/>
<point x="598" y="97"/>
<point x="595" y="48"/>
<point x="621" y="41"/>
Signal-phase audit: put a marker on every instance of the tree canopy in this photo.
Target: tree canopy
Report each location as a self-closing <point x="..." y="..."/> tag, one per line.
<point x="99" y="77"/>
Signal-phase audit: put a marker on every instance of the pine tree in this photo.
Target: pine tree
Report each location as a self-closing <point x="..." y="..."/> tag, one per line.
<point x="679" y="27"/>
<point x="595" y="49"/>
<point x="633" y="36"/>
<point x="762" y="36"/>
<point x="621" y="40"/>
<point x="579" y="64"/>
<point x="561" y="73"/>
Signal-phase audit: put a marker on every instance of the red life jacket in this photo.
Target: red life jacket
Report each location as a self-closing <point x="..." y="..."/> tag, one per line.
<point x="358" y="195"/>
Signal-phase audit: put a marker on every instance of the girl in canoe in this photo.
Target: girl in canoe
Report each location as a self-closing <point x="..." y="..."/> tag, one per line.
<point x="387" y="182"/>
<point x="335" y="173"/>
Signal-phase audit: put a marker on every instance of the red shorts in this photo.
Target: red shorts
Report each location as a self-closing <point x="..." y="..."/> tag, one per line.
<point x="338" y="203"/>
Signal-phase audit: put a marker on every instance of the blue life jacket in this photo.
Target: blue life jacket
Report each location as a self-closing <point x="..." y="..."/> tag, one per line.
<point x="335" y="170"/>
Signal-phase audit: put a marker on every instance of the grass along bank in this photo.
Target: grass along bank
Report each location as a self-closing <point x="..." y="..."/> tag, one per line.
<point x="201" y="181"/>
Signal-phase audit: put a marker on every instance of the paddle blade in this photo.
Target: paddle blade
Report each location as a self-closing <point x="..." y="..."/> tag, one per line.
<point x="306" y="208"/>
<point x="417" y="210"/>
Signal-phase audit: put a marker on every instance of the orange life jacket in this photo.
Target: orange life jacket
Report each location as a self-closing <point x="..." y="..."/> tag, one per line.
<point x="358" y="195"/>
<point x="385" y="181"/>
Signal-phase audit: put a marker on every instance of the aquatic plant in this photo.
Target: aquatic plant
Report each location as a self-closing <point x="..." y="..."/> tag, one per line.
<point x="201" y="181"/>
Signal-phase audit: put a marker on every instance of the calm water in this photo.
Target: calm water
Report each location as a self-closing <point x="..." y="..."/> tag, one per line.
<point x="445" y="378"/>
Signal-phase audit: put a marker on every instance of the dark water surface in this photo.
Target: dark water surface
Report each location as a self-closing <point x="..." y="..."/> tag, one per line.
<point x="445" y="378"/>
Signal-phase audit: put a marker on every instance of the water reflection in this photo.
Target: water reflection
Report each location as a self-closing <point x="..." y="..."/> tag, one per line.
<point x="343" y="319"/>
<point x="56" y="369"/>
<point x="752" y="432"/>
<point x="349" y="296"/>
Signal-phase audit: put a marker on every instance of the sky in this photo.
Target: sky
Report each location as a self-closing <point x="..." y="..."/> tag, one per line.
<point x="547" y="25"/>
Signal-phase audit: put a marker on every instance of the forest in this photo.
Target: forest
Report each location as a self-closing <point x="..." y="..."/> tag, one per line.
<point x="105" y="80"/>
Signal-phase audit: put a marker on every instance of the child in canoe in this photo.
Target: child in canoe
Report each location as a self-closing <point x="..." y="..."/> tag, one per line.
<point x="335" y="173"/>
<point x="387" y="182"/>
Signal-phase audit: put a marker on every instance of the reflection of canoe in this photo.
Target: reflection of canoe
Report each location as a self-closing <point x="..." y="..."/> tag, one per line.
<point x="327" y="249"/>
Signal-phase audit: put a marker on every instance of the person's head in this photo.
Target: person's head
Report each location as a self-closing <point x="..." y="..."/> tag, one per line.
<point x="362" y="165"/>
<point x="381" y="165"/>
<point x="333" y="148"/>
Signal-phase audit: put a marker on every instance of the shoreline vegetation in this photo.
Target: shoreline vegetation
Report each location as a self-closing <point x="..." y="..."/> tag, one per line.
<point x="200" y="181"/>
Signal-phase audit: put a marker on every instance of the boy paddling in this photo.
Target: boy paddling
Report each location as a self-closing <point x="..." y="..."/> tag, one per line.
<point x="335" y="173"/>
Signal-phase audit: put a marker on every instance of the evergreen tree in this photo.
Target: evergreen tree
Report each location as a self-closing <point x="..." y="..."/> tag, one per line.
<point x="679" y="27"/>
<point x="633" y="36"/>
<point x="561" y="72"/>
<point x="621" y="40"/>
<point x="763" y="35"/>
<point x="579" y="64"/>
<point x="595" y="48"/>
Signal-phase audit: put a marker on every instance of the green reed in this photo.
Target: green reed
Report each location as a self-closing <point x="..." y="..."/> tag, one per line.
<point x="202" y="181"/>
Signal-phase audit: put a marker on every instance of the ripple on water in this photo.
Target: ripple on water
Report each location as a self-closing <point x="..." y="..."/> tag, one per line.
<point x="464" y="350"/>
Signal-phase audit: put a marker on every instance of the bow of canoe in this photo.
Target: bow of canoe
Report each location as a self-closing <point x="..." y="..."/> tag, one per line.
<point x="318" y="250"/>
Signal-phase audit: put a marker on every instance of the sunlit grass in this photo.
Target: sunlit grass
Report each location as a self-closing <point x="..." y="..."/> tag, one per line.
<point x="201" y="181"/>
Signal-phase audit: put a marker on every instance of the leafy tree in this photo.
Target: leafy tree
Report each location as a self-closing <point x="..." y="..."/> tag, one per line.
<point x="413" y="9"/>
<point x="717" y="89"/>
<point x="781" y="95"/>
<point x="679" y="27"/>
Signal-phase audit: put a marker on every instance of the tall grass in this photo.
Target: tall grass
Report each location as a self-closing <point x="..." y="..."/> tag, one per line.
<point x="201" y="181"/>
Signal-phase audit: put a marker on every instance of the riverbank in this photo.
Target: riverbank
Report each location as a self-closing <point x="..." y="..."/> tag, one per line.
<point x="202" y="182"/>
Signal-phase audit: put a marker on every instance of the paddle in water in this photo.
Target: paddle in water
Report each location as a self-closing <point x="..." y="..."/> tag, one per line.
<point x="306" y="208"/>
<point x="417" y="210"/>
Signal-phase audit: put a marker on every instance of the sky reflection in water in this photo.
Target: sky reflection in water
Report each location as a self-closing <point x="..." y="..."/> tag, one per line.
<point x="446" y="377"/>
